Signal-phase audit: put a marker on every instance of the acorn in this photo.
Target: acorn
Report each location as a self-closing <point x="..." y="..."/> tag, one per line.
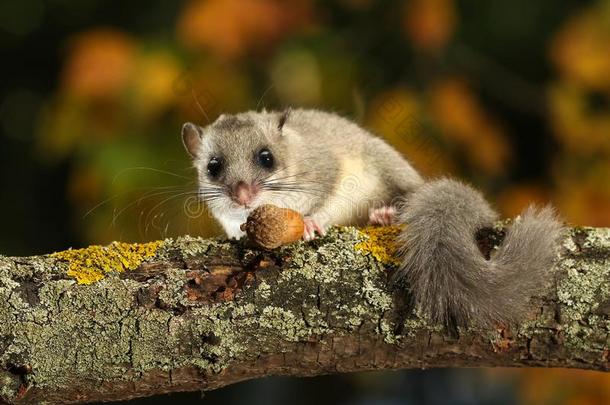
<point x="269" y="226"/>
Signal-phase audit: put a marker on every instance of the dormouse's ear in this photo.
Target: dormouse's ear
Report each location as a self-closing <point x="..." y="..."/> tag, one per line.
<point x="191" y="138"/>
<point x="283" y="118"/>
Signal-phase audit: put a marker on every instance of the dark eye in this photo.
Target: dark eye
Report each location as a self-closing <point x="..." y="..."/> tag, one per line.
<point x="265" y="158"/>
<point x="214" y="167"/>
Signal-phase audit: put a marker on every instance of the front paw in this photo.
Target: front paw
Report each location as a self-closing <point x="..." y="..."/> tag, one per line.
<point x="382" y="216"/>
<point x="311" y="227"/>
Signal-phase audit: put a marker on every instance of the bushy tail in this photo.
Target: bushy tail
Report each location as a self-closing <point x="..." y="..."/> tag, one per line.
<point x="446" y="273"/>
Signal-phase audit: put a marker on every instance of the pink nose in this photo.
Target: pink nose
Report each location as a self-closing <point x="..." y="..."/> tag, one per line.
<point x="243" y="193"/>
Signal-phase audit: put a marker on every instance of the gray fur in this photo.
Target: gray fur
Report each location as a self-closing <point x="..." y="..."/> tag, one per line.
<point x="320" y="155"/>
<point x="444" y="270"/>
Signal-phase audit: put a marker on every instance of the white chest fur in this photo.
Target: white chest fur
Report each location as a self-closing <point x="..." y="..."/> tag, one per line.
<point x="358" y="190"/>
<point x="231" y="219"/>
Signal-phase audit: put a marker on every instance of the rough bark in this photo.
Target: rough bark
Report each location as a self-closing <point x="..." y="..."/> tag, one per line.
<point x="201" y="314"/>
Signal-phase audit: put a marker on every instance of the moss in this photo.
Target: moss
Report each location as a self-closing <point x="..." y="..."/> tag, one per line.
<point x="381" y="243"/>
<point x="93" y="263"/>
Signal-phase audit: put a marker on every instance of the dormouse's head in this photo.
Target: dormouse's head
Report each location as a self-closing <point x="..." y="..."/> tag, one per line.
<point x="237" y="156"/>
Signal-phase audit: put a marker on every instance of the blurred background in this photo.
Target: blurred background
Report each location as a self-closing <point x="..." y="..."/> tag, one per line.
<point x="512" y="95"/>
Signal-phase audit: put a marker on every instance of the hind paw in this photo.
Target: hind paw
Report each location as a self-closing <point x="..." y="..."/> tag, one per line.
<point x="382" y="216"/>
<point x="311" y="227"/>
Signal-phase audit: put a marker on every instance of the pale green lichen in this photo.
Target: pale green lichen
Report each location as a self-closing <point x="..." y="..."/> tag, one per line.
<point x="364" y="277"/>
<point x="105" y="335"/>
<point x="583" y="287"/>
<point x="93" y="263"/>
<point x="7" y="317"/>
<point x="321" y="265"/>
<point x="7" y="266"/>
<point x="83" y="327"/>
<point x="316" y="321"/>
<point x="569" y="244"/>
<point x="417" y="323"/>
<point x="287" y="324"/>
<point x="303" y="265"/>
<point x="9" y="386"/>
<point x="192" y="246"/>
<point x="173" y="294"/>
<point x="241" y="311"/>
<point x="597" y="238"/>
<point x="386" y="329"/>
<point x="103" y="332"/>
<point x="375" y="296"/>
<point x="263" y="291"/>
<point x="355" y="319"/>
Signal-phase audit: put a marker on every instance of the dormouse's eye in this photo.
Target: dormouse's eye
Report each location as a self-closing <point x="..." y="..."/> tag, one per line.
<point x="265" y="158"/>
<point x="214" y="167"/>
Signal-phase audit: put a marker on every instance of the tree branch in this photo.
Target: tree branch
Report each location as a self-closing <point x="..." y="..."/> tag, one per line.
<point x="195" y="314"/>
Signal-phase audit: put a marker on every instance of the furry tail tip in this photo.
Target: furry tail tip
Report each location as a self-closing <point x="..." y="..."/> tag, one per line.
<point x="444" y="270"/>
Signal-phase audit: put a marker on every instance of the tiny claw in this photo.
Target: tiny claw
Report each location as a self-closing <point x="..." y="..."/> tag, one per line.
<point x="311" y="226"/>
<point x="382" y="216"/>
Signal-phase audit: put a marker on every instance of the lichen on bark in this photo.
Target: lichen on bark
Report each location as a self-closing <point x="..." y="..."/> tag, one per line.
<point x="91" y="264"/>
<point x="202" y="313"/>
<point x="584" y="291"/>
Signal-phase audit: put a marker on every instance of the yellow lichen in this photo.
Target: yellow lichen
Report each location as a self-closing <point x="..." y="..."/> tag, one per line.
<point x="92" y="263"/>
<point x="381" y="242"/>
